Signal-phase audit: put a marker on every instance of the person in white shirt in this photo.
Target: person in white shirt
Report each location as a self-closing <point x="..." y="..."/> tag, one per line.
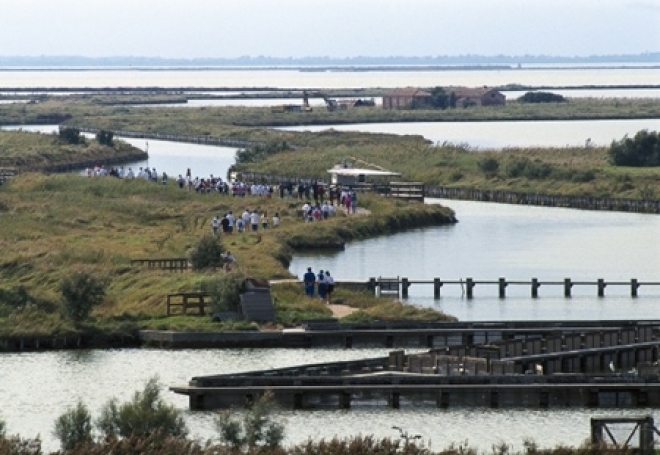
<point x="276" y="219"/>
<point x="254" y="220"/>
<point x="215" y="224"/>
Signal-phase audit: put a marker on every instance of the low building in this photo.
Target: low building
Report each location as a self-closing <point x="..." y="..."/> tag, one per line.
<point x="405" y="98"/>
<point x="480" y="96"/>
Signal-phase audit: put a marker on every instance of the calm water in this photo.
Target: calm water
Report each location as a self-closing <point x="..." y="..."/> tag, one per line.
<point x="284" y="79"/>
<point x="489" y="241"/>
<point x="517" y="243"/>
<point x="500" y="135"/>
<point x="36" y="388"/>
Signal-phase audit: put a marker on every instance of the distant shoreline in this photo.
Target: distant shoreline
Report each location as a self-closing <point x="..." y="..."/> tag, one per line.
<point x="334" y="68"/>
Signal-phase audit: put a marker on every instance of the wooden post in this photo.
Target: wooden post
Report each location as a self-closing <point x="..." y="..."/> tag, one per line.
<point x="395" y="400"/>
<point x="567" y="287"/>
<point x="502" y="287"/>
<point x="404" y="287"/>
<point x="601" y="287"/>
<point x="469" y="285"/>
<point x="372" y="284"/>
<point x="633" y="287"/>
<point x="346" y="400"/>
<point x="437" y="284"/>
<point x="535" y="288"/>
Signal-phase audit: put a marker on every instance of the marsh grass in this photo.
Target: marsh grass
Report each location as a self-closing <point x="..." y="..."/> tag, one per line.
<point x="57" y="225"/>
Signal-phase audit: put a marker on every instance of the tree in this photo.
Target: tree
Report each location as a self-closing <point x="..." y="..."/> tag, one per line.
<point x="641" y="151"/>
<point x="258" y="429"/>
<point x="207" y="253"/>
<point x="146" y="414"/>
<point x="74" y="427"/>
<point x="81" y="293"/>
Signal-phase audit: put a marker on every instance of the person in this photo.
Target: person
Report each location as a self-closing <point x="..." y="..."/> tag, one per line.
<point x="264" y="220"/>
<point x="254" y="220"/>
<point x="230" y="222"/>
<point x="230" y="260"/>
<point x="240" y="225"/>
<point x="322" y="285"/>
<point x="329" y="286"/>
<point x="347" y="203"/>
<point x="309" y="278"/>
<point x="180" y="181"/>
<point x="276" y="219"/>
<point x="215" y="224"/>
<point x="225" y="224"/>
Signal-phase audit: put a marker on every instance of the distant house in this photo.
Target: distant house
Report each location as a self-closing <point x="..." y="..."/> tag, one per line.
<point x="404" y="98"/>
<point x="480" y="96"/>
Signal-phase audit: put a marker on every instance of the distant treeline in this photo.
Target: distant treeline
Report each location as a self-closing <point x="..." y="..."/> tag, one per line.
<point x="463" y="59"/>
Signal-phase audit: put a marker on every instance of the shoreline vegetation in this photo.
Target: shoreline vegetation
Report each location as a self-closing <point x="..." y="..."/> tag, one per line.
<point x="54" y="226"/>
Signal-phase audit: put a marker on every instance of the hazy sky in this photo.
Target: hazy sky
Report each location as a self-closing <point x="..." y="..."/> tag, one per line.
<point x="336" y="28"/>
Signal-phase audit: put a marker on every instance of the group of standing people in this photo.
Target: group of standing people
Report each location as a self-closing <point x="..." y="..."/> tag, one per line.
<point x="323" y="284"/>
<point x="248" y="220"/>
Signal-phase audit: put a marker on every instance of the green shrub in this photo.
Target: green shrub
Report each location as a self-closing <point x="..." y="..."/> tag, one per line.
<point x="541" y="97"/>
<point x="74" y="427"/>
<point x="105" y="137"/>
<point x="81" y="292"/>
<point x="225" y="290"/>
<point x="642" y="150"/>
<point x="489" y="166"/>
<point x="146" y="414"/>
<point x="258" y="429"/>
<point x="3" y="429"/>
<point x="70" y="135"/>
<point x="207" y="253"/>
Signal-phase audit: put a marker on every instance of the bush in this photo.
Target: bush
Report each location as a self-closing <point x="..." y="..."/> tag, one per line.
<point x="207" y="253"/>
<point x="541" y="97"/>
<point x="225" y="291"/>
<point x="105" y="137"/>
<point x="489" y="166"/>
<point x="81" y="292"/>
<point x="74" y="427"/>
<point x="70" y="135"/>
<point x="3" y="429"/>
<point x="146" y="414"/>
<point x="640" y="151"/>
<point x="257" y="428"/>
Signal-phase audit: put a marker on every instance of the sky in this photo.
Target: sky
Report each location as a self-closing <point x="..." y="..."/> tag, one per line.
<point x="334" y="28"/>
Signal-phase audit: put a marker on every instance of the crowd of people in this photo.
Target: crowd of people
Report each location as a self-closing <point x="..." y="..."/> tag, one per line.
<point x="249" y="220"/>
<point x="321" y="285"/>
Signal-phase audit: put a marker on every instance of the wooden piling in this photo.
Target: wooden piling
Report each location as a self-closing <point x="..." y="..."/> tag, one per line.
<point x="437" y="284"/>
<point x="404" y="287"/>
<point x="535" y="288"/>
<point x="567" y="287"/>
<point x="469" y="286"/>
<point x="601" y="287"/>
<point x="634" y="285"/>
<point x="502" y="287"/>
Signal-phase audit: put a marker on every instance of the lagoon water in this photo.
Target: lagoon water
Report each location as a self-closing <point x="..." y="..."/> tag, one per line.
<point x="490" y="240"/>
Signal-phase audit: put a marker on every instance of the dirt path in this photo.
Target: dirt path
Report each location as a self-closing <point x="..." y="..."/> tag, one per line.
<point x="339" y="311"/>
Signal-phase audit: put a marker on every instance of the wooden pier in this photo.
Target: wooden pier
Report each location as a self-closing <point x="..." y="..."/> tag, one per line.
<point x="400" y="286"/>
<point x="558" y="364"/>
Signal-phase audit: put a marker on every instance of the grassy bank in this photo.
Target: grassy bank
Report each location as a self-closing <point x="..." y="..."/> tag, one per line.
<point x="35" y="151"/>
<point x="54" y="226"/>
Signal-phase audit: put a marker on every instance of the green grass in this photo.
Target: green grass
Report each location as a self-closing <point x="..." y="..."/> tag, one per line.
<point x="53" y="226"/>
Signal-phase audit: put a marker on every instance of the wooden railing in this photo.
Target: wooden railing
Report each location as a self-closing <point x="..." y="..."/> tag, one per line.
<point x="171" y="264"/>
<point x="187" y="300"/>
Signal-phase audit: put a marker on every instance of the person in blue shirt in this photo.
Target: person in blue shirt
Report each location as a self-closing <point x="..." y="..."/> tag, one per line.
<point x="309" y="278"/>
